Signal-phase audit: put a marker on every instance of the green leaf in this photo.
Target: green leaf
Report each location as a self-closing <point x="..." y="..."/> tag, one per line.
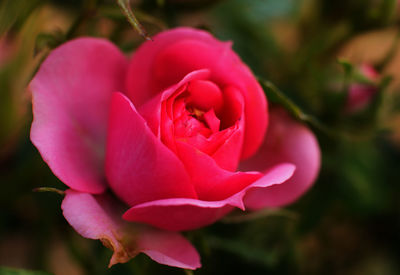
<point x="346" y="65"/>
<point x="12" y="12"/>
<point x="388" y="10"/>
<point x="14" y="271"/>
<point x="244" y="250"/>
<point x="373" y="110"/>
<point x="348" y="69"/>
<point x="127" y="11"/>
<point x="251" y="216"/>
<point x="48" y="40"/>
<point x="353" y="74"/>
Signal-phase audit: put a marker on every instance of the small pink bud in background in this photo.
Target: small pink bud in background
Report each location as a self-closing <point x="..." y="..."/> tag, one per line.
<point x="361" y="94"/>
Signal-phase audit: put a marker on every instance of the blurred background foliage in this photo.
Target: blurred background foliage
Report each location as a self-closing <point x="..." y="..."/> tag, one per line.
<point x="307" y="54"/>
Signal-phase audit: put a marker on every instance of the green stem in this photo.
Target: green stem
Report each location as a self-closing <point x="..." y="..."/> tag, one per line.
<point x="49" y="189"/>
<point x="293" y="108"/>
<point x="127" y="11"/>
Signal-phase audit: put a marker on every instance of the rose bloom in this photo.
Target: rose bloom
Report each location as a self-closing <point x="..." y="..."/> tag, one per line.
<point x="360" y="95"/>
<point x="171" y="139"/>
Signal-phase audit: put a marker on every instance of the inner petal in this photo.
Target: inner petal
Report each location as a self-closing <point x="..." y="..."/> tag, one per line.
<point x="212" y="120"/>
<point x="232" y="110"/>
<point x="188" y="126"/>
<point x="204" y="95"/>
<point x="202" y="115"/>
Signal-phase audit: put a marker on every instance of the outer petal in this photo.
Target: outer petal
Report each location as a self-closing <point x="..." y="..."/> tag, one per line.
<point x="71" y="95"/>
<point x="186" y="214"/>
<point x="160" y="63"/>
<point x="286" y="141"/>
<point x="212" y="183"/>
<point x="138" y="166"/>
<point x="98" y="217"/>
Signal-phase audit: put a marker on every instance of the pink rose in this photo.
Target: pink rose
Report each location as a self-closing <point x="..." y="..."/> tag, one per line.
<point x="165" y="131"/>
<point x="361" y="94"/>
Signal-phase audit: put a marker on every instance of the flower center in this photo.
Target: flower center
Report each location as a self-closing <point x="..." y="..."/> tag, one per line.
<point x="190" y="121"/>
<point x="194" y="110"/>
<point x="201" y="114"/>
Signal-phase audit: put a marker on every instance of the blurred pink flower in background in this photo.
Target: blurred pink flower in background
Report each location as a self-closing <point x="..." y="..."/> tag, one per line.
<point x="361" y="94"/>
<point x="166" y="132"/>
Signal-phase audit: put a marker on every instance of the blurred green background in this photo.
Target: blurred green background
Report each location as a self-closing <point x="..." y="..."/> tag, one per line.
<point x="348" y="223"/>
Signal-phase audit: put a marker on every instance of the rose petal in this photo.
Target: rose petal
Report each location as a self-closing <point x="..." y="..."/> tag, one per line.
<point x="71" y="94"/>
<point x="183" y="214"/>
<point x="224" y="146"/>
<point x="160" y="63"/>
<point x="227" y="156"/>
<point x="99" y="217"/>
<point x="168" y="248"/>
<point x="212" y="120"/>
<point x="286" y="141"/>
<point x="360" y="95"/>
<point x="188" y="214"/>
<point x="138" y="166"/>
<point x="204" y="95"/>
<point x="369" y="71"/>
<point x="210" y="181"/>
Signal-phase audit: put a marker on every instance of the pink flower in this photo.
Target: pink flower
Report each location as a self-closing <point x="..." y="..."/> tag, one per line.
<point x="165" y="132"/>
<point x="361" y="94"/>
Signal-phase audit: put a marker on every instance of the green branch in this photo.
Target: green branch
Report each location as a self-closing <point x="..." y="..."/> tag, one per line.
<point x="127" y="11"/>
<point x="49" y="189"/>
